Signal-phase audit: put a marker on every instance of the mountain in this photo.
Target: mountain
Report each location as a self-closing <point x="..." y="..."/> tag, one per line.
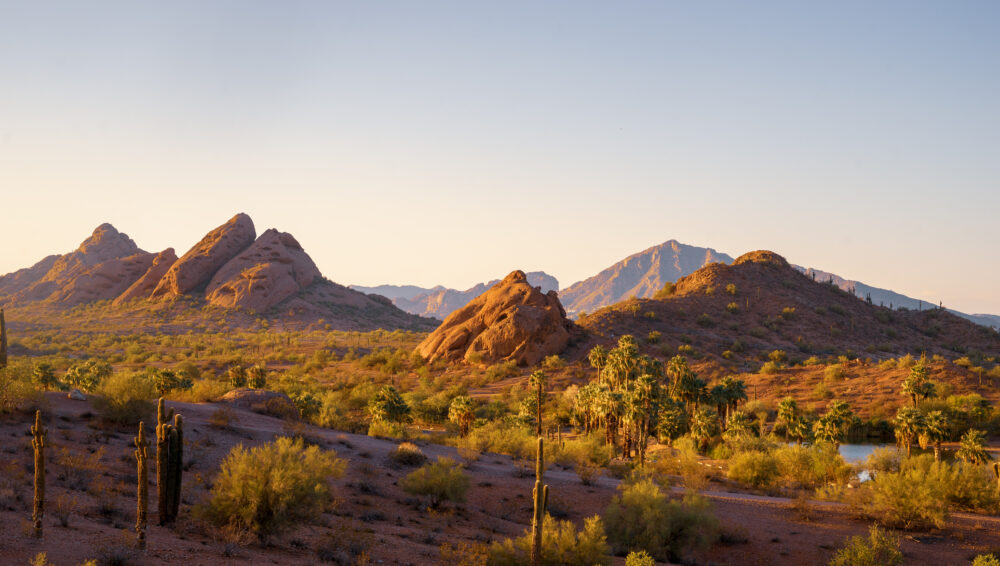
<point x="640" y="275"/>
<point x="512" y="320"/>
<point x="737" y="314"/>
<point x="439" y="302"/>
<point x="229" y="269"/>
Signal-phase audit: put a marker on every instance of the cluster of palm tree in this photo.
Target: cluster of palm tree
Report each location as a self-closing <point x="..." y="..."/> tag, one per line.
<point x="635" y="396"/>
<point x="830" y="427"/>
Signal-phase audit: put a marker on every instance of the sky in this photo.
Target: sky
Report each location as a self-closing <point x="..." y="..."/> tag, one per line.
<point x="452" y="142"/>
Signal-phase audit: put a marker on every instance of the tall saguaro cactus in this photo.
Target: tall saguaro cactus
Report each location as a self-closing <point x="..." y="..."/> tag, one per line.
<point x="3" y="340"/>
<point x="169" y="455"/>
<point x="541" y="497"/>
<point x="996" y="472"/>
<point x="142" y="491"/>
<point x="38" y="433"/>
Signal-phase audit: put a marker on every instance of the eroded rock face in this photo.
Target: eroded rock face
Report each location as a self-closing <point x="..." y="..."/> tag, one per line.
<point x="144" y="286"/>
<point x="193" y="271"/>
<point x="511" y="321"/>
<point x="103" y="266"/>
<point x="271" y="270"/>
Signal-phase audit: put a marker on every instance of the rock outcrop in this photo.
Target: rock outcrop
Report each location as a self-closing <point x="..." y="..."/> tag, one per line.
<point x="195" y="269"/>
<point x="104" y="265"/>
<point x="272" y="269"/>
<point x="143" y="286"/>
<point x="510" y="321"/>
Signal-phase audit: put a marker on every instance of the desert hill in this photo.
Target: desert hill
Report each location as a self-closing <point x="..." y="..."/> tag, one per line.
<point x="638" y="275"/>
<point x="231" y="268"/>
<point x="738" y="313"/>
<point x="439" y="302"/>
<point x="513" y="320"/>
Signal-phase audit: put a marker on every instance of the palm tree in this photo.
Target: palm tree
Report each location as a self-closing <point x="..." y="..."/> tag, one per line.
<point x="671" y="420"/>
<point x="972" y="447"/>
<point x="828" y="429"/>
<point x="718" y="396"/>
<point x="462" y="413"/>
<point x="388" y="405"/>
<point x="736" y="390"/>
<point x="598" y="357"/>
<point x="788" y="412"/>
<point x="704" y="426"/>
<point x="537" y="380"/>
<point x="915" y="385"/>
<point x="909" y="424"/>
<point x="740" y="426"/>
<point x="936" y="430"/>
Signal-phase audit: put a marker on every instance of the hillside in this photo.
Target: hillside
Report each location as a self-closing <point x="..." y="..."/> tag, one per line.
<point x="640" y="275"/>
<point x="736" y="314"/>
<point x="439" y="302"/>
<point x="231" y="273"/>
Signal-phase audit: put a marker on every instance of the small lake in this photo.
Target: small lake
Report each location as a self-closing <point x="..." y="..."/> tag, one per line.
<point x="856" y="453"/>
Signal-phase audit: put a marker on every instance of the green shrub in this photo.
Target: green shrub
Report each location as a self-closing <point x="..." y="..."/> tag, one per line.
<point x="441" y="481"/>
<point x="909" y="499"/>
<point x="758" y="469"/>
<point x="881" y="548"/>
<point x="644" y="518"/>
<point x="986" y="560"/>
<point x="16" y="391"/>
<point x="125" y="398"/>
<point x="272" y="487"/>
<point x="553" y="362"/>
<point x="562" y="545"/>
<point x="834" y="372"/>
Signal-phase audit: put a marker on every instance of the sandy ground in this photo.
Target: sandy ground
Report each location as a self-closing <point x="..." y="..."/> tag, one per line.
<point x="372" y="516"/>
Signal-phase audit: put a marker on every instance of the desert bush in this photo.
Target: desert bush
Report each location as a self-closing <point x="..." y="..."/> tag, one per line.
<point x="908" y="499"/>
<point x="553" y="362"/>
<point x="222" y="418"/>
<point x="407" y="454"/>
<point x="986" y="560"/>
<point x="76" y="469"/>
<point x="385" y="429"/>
<point x="884" y="460"/>
<point x="125" y="398"/>
<point x="502" y="370"/>
<point x="881" y="548"/>
<point x="203" y="391"/>
<point x="644" y="518"/>
<point x="758" y="469"/>
<point x="811" y="467"/>
<point x="87" y="375"/>
<point x="834" y="372"/>
<point x="562" y="545"/>
<point x="502" y="436"/>
<point x="269" y="488"/>
<point x="641" y="558"/>
<point x="16" y="391"/>
<point x="441" y="481"/>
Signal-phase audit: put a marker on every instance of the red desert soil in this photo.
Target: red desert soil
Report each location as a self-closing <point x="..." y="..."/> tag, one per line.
<point x="372" y="511"/>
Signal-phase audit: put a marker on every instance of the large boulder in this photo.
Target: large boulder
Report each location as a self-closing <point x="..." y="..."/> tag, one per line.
<point x="193" y="271"/>
<point x="143" y="286"/>
<point x="510" y="321"/>
<point x="273" y="269"/>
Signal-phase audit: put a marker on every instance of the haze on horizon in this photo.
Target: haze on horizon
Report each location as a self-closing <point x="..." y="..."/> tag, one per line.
<point x="451" y="142"/>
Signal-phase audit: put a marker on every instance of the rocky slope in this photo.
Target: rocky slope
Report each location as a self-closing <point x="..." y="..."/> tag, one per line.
<point x="230" y="268"/>
<point x="640" y="275"/>
<point x="439" y="302"/>
<point x="772" y="306"/>
<point x="513" y="320"/>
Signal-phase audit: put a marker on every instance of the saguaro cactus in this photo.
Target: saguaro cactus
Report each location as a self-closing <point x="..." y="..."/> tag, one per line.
<point x="3" y="341"/>
<point x="169" y="459"/>
<point x="996" y="472"/>
<point x="142" y="492"/>
<point x="38" y="433"/>
<point x="541" y="496"/>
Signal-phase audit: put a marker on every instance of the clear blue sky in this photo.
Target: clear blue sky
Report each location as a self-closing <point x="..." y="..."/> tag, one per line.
<point x="450" y="142"/>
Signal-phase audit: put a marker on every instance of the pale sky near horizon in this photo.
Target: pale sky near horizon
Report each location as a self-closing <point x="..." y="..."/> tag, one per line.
<point x="451" y="142"/>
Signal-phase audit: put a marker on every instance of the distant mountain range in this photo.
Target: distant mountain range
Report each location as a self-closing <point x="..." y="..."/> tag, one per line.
<point x="438" y="302"/>
<point x="231" y="267"/>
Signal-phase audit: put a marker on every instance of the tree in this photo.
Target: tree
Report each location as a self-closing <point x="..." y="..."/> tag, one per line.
<point x="740" y="426"/>
<point x="916" y="384"/>
<point x="704" y="426"/>
<point x="788" y="413"/>
<point x="935" y="431"/>
<point x="257" y="377"/>
<point x="671" y="422"/>
<point x="736" y="391"/>
<point x="44" y="376"/>
<point x="909" y="424"/>
<point x="598" y="357"/>
<point x="441" y="481"/>
<point x="537" y="380"/>
<point x="461" y="412"/>
<point x="88" y="375"/>
<point x="237" y="376"/>
<point x="972" y="447"/>
<point x="388" y="406"/>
